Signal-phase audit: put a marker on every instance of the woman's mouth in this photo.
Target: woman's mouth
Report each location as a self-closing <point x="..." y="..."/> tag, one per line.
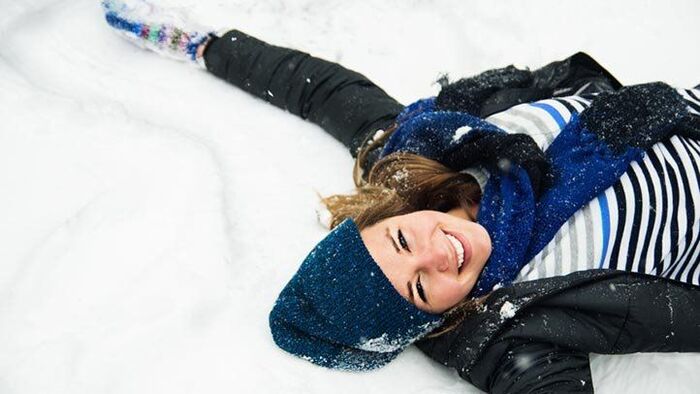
<point x="462" y="248"/>
<point x="459" y="247"/>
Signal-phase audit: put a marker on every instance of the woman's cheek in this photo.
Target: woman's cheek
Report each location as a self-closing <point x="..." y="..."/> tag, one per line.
<point x="455" y="294"/>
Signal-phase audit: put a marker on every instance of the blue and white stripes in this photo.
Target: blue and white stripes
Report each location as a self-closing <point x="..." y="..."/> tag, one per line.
<point x="647" y="222"/>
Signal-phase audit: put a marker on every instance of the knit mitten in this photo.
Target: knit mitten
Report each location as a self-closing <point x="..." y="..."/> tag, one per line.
<point x="637" y="115"/>
<point x="164" y="31"/>
<point x="469" y="94"/>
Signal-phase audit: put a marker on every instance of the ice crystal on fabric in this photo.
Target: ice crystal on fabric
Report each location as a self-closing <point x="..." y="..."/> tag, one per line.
<point x="508" y="310"/>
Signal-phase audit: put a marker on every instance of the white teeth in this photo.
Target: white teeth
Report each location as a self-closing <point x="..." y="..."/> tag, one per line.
<point x="459" y="248"/>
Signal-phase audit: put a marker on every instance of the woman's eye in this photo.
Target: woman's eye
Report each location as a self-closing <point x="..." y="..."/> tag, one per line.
<point x="403" y="242"/>
<point x="421" y="292"/>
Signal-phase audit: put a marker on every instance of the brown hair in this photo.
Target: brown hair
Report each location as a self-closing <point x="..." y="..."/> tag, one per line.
<point x="402" y="183"/>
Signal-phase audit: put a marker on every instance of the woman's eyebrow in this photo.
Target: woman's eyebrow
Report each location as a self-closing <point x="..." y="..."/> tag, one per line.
<point x="388" y="235"/>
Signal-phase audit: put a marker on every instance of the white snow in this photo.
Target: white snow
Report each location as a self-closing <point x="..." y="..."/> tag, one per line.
<point x="382" y="344"/>
<point x="151" y="213"/>
<point x="460" y="132"/>
<point x="507" y="310"/>
<point x="323" y="215"/>
<point x="377" y="135"/>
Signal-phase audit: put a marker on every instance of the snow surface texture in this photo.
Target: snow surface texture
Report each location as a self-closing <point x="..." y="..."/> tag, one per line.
<point x="151" y="213"/>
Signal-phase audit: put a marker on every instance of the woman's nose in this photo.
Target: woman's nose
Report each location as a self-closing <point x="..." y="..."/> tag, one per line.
<point x="434" y="258"/>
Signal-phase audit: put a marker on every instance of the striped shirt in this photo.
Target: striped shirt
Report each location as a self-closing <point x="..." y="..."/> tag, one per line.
<point x="647" y="222"/>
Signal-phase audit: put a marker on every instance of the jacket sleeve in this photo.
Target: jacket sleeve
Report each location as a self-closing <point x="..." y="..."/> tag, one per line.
<point x="545" y="347"/>
<point x="510" y="364"/>
<point x="532" y="367"/>
<point x="343" y="102"/>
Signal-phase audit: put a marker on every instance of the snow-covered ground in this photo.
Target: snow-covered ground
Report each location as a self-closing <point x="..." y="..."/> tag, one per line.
<point x="150" y="213"/>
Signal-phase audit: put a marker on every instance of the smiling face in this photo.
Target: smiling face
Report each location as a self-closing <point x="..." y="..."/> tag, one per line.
<point x="432" y="259"/>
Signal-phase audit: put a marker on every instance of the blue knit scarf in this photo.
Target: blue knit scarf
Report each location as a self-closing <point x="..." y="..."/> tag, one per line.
<point x="588" y="156"/>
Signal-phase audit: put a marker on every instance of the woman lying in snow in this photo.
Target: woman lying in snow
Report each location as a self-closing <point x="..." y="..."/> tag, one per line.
<point x="510" y="226"/>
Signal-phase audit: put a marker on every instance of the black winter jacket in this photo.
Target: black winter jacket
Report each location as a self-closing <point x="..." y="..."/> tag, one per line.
<point x="535" y="337"/>
<point x="531" y="337"/>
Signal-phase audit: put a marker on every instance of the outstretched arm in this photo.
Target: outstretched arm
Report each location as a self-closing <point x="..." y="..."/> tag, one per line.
<point x="344" y="103"/>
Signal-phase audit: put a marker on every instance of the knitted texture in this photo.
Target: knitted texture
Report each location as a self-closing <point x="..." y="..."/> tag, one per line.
<point x="340" y="311"/>
<point x="472" y="142"/>
<point x="586" y="158"/>
<point x="497" y="90"/>
<point x="162" y="31"/>
<point x="637" y="116"/>
<point x="467" y="94"/>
